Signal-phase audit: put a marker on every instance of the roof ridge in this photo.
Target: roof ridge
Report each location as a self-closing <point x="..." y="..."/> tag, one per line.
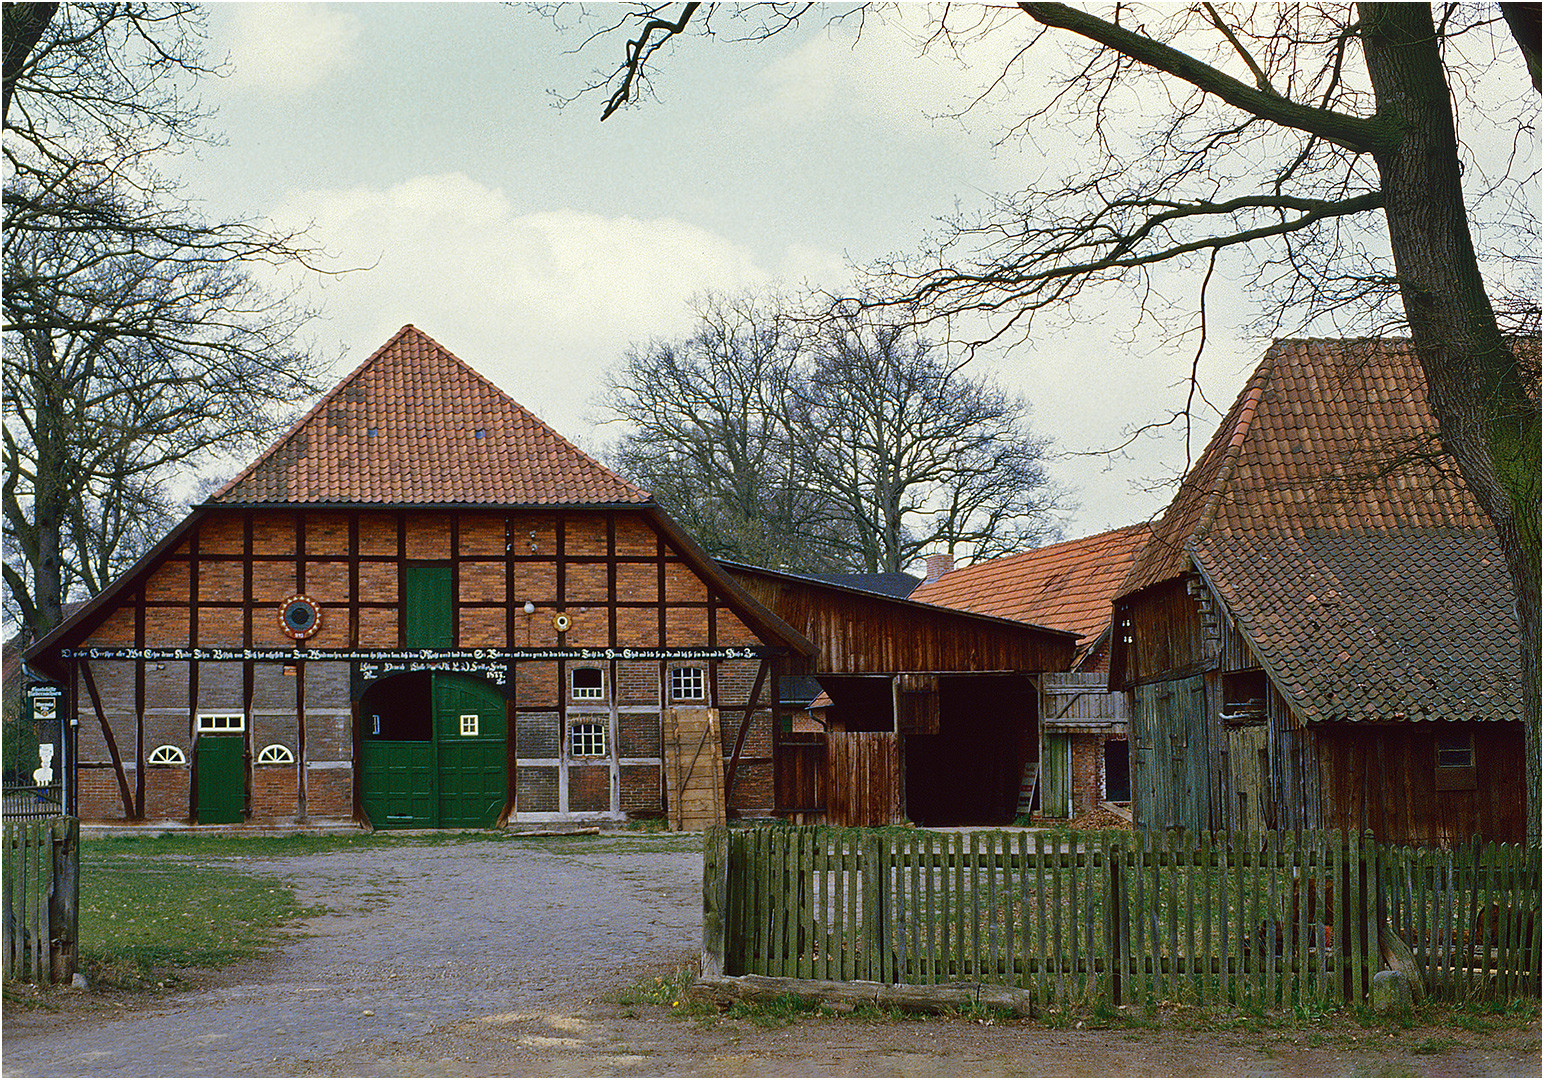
<point x="1249" y="405"/>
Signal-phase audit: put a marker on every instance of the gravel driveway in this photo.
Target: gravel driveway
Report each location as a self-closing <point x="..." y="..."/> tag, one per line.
<point x="495" y="957"/>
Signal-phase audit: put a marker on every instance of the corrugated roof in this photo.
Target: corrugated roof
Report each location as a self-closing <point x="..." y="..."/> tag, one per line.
<point x="1068" y="586"/>
<point x="414" y="425"/>
<point x="1344" y="542"/>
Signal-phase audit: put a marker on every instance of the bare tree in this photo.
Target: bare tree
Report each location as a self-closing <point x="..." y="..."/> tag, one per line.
<point x="709" y="437"/>
<point x="919" y="455"/>
<point x="838" y="441"/>
<point x="1321" y="138"/>
<point x="137" y="345"/>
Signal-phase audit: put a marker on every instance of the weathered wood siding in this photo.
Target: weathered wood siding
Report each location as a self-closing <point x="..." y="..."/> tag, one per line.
<point x="1169" y="755"/>
<point x="1383" y="777"/>
<point x="801" y="774"/>
<point x="863" y="779"/>
<point x="1165" y="635"/>
<point x="862" y="634"/>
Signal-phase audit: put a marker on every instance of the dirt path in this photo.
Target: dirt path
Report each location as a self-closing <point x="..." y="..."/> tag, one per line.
<point x="496" y="958"/>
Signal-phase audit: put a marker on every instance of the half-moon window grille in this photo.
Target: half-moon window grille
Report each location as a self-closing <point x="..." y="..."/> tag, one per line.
<point x="276" y="754"/>
<point x="166" y="755"/>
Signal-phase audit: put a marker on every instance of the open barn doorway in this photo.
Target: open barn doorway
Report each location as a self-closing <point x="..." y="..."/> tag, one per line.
<point x="970" y="772"/>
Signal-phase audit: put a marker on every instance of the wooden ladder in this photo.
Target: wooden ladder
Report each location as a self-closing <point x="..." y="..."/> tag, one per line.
<point x="694" y="763"/>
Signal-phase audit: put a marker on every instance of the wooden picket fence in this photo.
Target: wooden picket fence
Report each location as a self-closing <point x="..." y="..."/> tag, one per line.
<point x="40" y="862"/>
<point x="1267" y="920"/>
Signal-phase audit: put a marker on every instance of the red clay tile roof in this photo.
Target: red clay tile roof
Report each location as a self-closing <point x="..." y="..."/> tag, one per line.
<point x="414" y="425"/>
<point x="1345" y="544"/>
<point x="1066" y="586"/>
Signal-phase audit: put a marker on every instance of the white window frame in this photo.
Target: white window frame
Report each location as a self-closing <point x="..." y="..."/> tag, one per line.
<point x="275" y="754"/>
<point x="688" y="684"/>
<point x="469" y="724"/>
<point x="167" y="755"/>
<point x="585" y="736"/>
<point x="587" y="693"/>
<point x="221" y="723"/>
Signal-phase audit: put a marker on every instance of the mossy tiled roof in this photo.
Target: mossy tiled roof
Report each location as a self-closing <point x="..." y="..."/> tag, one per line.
<point x="1345" y="544"/>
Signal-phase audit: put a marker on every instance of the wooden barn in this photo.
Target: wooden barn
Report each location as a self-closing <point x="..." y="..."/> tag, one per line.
<point x="422" y="607"/>
<point x="1069" y="586"/>
<point x="1320" y="633"/>
<point x="933" y="713"/>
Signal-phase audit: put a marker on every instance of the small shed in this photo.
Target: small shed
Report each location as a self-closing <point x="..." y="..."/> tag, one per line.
<point x="935" y="712"/>
<point x="1320" y="633"/>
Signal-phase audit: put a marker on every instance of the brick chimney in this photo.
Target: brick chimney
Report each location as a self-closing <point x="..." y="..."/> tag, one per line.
<point x="937" y="566"/>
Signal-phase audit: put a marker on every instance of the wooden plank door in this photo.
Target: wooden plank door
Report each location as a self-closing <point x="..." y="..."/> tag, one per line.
<point x="469" y="725"/>
<point x="1056" y="776"/>
<point x="694" y="764"/>
<point x="222" y="776"/>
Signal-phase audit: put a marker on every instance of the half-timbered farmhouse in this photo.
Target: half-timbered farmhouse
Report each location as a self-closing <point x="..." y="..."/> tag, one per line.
<point x="421" y="607"/>
<point x="1069" y="586"/>
<point x="1320" y="633"/>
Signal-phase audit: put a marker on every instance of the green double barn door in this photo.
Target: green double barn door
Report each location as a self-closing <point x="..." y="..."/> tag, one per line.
<point x="454" y="777"/>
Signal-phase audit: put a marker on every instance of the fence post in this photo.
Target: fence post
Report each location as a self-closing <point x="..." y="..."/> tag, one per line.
<point x="64" y="902"/>
<point x="715" y="900"/>
<point x="1112" y="918"/>
<point x="873" y="907"/>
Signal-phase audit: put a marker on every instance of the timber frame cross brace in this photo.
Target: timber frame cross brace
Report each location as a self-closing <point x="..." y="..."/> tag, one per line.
<point x="739" y="742"/>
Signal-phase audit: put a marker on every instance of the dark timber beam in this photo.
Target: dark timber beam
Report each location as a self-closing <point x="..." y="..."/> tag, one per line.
<point x="112" y="743"/>
<point x="739" y="741"/>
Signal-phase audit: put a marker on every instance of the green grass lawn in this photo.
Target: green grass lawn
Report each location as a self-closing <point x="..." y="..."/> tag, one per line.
<point x="151" y="907"/>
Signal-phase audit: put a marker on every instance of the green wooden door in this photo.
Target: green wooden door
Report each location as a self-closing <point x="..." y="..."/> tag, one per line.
<point x="398" y="783"/>
<point x="454" y="775"/>
<point x="1056" y="776"/>
<point x="469" y="724"/>
<point x="428" y="607"/>
<point x="222" y="789"/>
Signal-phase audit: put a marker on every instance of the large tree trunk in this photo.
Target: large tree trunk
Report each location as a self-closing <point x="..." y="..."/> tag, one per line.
<point x="1477" y="387"/>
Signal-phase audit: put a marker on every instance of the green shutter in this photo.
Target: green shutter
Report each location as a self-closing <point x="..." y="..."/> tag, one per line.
<point x="428" y="607"/>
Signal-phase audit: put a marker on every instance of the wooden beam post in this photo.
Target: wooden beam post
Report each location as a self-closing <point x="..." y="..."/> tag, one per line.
<point x="715" y="900"/>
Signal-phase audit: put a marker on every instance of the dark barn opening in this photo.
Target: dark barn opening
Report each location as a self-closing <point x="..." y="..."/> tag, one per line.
<point x="1117" y="771"/>
<point x="860" y="702"/>
<point x="398" y="708"/>
<point x="969" y="773"/>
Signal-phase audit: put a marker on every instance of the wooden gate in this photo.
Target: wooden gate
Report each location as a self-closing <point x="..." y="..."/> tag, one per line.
<point x="863" y="779"/>
<point x="694" y="764"/>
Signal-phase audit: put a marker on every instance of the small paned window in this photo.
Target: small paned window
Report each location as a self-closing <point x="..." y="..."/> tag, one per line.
<point x="688" y="684"/>
<point x="588" y="740"/>
<point x="276" y="754"/>
<point x="220" y="723"/>
<point x="589" y="683"/>
<point x="166" y="755"/>
<point x="1455" y="761"/>
<point x="469" y="723"/>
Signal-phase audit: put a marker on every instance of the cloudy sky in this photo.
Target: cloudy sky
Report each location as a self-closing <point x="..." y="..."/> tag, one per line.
<point x="421" y="141"/>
